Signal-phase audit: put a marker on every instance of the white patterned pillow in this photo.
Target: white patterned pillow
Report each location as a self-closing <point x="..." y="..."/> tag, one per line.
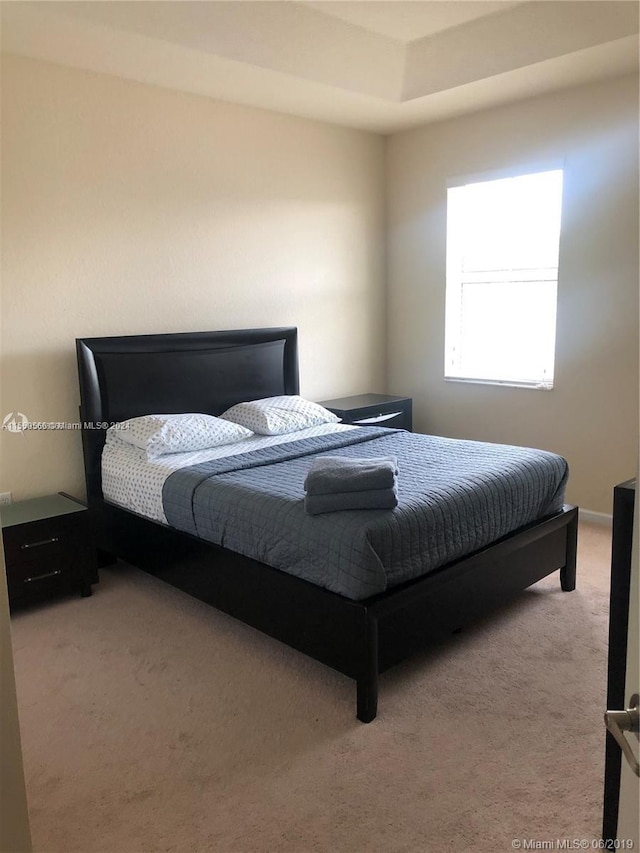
<point x="159" y="435"/>
<point x="277" y="415"/>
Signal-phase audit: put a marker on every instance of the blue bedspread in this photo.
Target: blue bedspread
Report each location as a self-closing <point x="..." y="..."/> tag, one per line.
<point x="454" y="498"/>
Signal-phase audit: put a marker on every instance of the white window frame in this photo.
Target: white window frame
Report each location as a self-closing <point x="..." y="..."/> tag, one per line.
<point x="455" y="285"/>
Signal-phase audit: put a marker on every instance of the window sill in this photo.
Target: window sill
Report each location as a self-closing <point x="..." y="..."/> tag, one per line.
<point x="530" y="386"/>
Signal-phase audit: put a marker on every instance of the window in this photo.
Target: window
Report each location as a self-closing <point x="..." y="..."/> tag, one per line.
<point x="502" y="279"/>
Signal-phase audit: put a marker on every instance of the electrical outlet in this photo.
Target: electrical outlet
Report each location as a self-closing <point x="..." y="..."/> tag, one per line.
<point x="5" y="498"/>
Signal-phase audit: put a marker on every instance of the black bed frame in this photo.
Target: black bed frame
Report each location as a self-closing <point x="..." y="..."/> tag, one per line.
<point x="124" y="377"/>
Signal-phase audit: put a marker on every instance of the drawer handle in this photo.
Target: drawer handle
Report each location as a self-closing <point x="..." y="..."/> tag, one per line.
<point x="38" y="544"/>
<point x="41" y="577"/>
<point x="379" y="418"/>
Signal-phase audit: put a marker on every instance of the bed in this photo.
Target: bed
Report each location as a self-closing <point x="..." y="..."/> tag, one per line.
<point x="359" y="630"/>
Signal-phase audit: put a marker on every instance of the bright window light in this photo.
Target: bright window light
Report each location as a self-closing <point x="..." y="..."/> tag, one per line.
<point x="502" y="279"/>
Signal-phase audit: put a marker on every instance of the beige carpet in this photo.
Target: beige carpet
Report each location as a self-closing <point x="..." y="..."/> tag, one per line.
<point x="153" y="723"/>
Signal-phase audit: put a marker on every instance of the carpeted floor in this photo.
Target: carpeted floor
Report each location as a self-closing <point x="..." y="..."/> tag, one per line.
<point x="151" y="722"/>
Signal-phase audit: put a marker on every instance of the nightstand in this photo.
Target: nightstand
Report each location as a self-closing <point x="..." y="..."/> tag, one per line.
<point x="48" y="547"/>
<point x="373" y="410"/>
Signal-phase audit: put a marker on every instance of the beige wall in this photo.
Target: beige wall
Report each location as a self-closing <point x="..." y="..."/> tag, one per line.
<point x="591" y="416"/>
<point x="127" y="208"/>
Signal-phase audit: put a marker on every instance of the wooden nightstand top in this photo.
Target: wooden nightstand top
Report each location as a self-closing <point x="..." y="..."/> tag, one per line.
<point x="360" y="401"/>
<point x="35" y="509"/>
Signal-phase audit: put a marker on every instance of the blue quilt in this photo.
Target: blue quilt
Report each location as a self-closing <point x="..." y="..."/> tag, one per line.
<point x="454" y="497"/>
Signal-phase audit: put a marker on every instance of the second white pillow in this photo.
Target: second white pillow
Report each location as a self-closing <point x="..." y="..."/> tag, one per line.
<point x="278" y="415"/>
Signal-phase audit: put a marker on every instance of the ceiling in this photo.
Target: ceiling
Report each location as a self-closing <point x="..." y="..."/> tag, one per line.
<point x="408" y="21"/>
<point x="380" y="65"/>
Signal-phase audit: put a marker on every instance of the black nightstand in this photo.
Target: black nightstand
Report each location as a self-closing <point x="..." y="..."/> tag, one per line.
<point x="48" y="547"/>
<point x="373" y="410"/>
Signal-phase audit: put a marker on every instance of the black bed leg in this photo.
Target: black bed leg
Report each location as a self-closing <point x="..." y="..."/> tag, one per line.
<point x="568" y="571"/>
<point x="105" y="559"/>
<point x="367" y="682"/>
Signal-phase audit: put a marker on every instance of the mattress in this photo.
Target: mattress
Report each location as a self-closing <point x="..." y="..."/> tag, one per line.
<point x="455" y="497"/>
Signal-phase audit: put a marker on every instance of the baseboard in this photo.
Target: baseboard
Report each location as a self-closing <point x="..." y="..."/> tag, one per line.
<point x="596" y="517"/>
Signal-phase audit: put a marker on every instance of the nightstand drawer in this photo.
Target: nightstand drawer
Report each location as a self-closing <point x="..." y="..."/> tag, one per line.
<point x="38" y="541"/>
<point x="27" y="579"/>
<point x="395" y="420"/>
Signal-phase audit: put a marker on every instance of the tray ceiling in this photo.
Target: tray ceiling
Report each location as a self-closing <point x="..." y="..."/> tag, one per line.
<point x="378" y="65"/>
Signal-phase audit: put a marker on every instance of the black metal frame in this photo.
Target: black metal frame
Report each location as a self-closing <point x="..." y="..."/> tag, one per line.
<point x="358" y="638"/>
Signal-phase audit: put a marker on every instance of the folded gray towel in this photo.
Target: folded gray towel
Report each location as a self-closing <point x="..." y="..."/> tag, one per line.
<point x="338" y="501"/>
<point x="331" y="474"/>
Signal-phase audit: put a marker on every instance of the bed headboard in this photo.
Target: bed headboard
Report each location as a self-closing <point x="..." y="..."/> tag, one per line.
<point x="124" y="377"/>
